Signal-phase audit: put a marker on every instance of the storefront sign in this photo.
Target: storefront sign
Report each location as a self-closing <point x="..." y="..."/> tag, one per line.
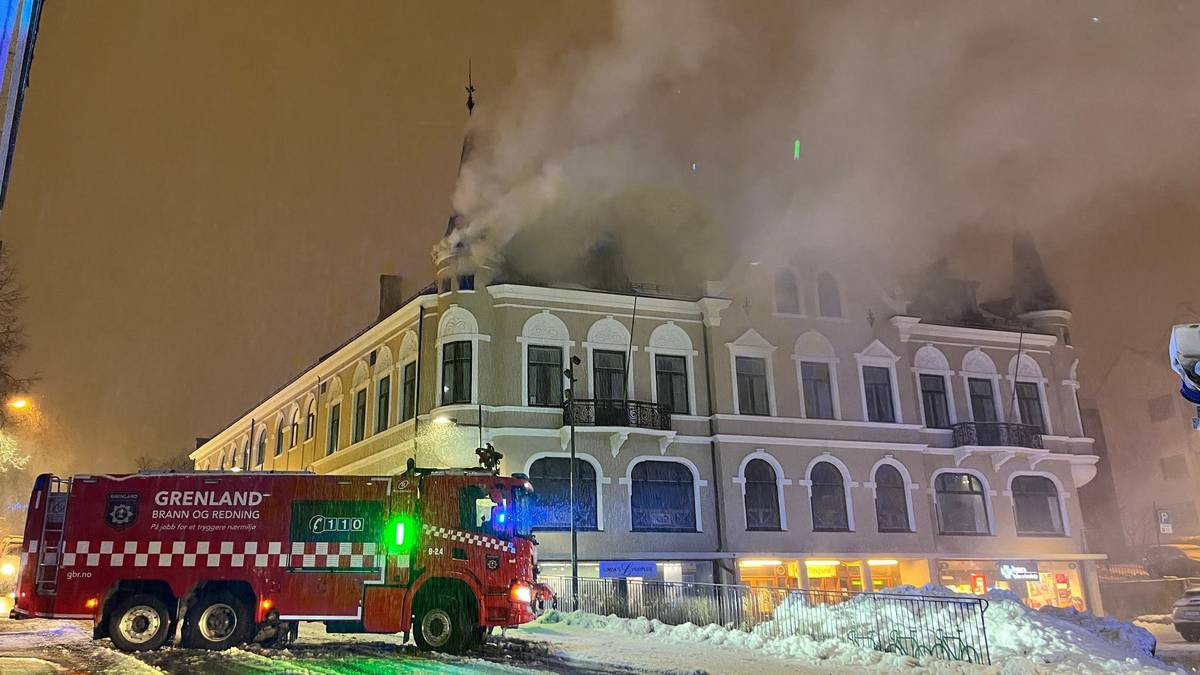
<point x="619" y="569"/>
<point x="1019" y="571"/>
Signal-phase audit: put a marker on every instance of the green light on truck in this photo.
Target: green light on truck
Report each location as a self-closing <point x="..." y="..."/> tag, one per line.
<point x="400" y="534"/>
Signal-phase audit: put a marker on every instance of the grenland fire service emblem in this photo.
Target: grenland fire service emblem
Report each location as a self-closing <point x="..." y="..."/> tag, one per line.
<point x="121" y="510"/>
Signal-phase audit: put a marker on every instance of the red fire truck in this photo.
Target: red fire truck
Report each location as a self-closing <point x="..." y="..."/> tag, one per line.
<point x="225" y="558"/>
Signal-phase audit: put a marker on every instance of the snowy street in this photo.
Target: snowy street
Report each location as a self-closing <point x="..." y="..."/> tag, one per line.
<point x="38" y="646"/>
<point x="1022" y="641"/>
<point x="1172" y="648"/>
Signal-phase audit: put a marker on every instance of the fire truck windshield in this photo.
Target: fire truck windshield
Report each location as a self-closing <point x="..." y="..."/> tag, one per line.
<point x="522" y="512"/>
<point x="496" y="513"/>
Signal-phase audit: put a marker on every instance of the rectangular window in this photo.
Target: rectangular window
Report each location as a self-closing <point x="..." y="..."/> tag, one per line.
<point x="670" y="374"/>
<point x="935" y="402"/>
<point x="983" y="399"/>
<point x="818" y="390"/>
<point x="456" y="372"/>
<point x="877" y="385"/>
<point x="609" y="370"/>
<point x="383" y="403"/>
<point x="1173" y="467"/>
<point x="1029" y="403"/>
<point x="359" y="430"/>
<point x="1161" y="408"/>
<point x="408" y="396"/>
<point x="466" y="282"/>
<point x="335" y="428"/>
<point x="545" y="376"/>
<point x="752" y="386"/>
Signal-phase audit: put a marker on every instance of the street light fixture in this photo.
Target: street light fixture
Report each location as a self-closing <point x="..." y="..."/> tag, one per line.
<point x="19" y="403"/>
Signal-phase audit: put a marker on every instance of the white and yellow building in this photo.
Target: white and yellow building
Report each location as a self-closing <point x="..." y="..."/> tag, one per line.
<point x="792" y="427"/>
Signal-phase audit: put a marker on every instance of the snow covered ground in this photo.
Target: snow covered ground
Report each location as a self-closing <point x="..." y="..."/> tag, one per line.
<point x="1172" y="648"/>
<point x="1022" y="641"/>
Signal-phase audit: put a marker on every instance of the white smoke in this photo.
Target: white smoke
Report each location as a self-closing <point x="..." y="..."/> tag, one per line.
<point x="920" y="124"/>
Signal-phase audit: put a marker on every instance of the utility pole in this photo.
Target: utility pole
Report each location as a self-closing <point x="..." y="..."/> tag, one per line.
<point x="569" y="411"/>
<point x="1157" y="525"/>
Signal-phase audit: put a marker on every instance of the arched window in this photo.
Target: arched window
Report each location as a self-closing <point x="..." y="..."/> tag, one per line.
<point x="260" y="450"/>
<point x="787" y="293"/>
<point x="828" y="499"/>
<point x="829" y="299"/>
<point x="891" y="500"/>
<point x="295" y="427"/>
<point x="551" y="479"/>
<point x="222" y="461"/>
<point x="278" y="434"/>
<point x="961" y="507"/>
<point x="246" y="454"/>
<point x="762" y="496"/>
<point x="310" y="420"/>
<point x="662" y="497"/>
<point x="1035" y="500"/>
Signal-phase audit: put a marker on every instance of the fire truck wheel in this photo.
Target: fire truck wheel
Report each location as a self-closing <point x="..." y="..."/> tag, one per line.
<point x="442" y="626"/>
<point x="139" y="623"/>
<point x="217" y="621"/>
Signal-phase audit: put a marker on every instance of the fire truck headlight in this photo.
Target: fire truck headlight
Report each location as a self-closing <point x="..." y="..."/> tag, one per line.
<point x="8" y="569"/>
<point x="522" y="593"/>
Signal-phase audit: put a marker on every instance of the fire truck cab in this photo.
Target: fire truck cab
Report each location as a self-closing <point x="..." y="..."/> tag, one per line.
<point x="217" y="559"/>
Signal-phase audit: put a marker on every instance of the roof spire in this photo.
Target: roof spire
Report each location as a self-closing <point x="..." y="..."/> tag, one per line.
<point x="470" y="90"/>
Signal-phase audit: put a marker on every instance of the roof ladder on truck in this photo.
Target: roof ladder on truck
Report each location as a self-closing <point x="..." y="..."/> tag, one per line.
<point x="49" y="554"/>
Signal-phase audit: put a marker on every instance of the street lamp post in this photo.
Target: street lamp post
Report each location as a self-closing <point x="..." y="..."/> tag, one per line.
<point x="570" y="412"/>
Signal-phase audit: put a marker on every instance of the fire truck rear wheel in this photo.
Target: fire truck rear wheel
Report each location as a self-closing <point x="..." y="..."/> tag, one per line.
<point x="139" y="623"/>
<point x="442" y="626"/>
<point x="217" y="621"/>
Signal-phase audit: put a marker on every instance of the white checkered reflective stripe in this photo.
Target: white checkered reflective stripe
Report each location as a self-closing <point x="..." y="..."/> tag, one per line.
<point x="469" y="538"/>
<point x="303" y="554"/>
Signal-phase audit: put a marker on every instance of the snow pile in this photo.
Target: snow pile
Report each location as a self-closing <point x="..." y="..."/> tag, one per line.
<point x="1126" y="635"/>
<point x="1021" y="640"/>
<point x="1164" y="619"/>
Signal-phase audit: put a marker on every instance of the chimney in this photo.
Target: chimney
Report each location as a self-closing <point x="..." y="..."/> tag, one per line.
<point x="201" y="441"/>
<point x="391" y="297"/>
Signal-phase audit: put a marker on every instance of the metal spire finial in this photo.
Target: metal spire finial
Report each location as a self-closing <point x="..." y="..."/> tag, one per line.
<point x="470" y="90"/>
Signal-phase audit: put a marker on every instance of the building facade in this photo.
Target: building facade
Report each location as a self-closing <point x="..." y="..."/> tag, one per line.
<point x="1153" y="451"/>
<point x="791" y="428"/>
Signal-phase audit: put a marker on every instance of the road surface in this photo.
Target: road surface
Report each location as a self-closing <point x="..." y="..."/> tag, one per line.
<point x="1173" y="649"/>
<point x="39" y="646"/>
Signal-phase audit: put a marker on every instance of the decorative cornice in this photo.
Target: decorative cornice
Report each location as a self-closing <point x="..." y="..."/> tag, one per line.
<point x="911" y="328"/>
<point x="592" y="299"/>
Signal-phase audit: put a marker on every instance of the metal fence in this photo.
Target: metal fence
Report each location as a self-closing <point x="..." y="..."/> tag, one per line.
<point x="1120" y="572"/>
<point x="916" y="625"/>
<point x="617" y="413"/>
<point x="997" y="433"/>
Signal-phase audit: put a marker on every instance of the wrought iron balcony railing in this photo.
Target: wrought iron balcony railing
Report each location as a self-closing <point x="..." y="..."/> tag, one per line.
<point x="617" y="413"/>
<point x="997" y="433"/>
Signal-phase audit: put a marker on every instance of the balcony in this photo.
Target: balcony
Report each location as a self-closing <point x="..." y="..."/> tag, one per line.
<point x="1008" y="434"/>
<point x="590" y="412"/>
